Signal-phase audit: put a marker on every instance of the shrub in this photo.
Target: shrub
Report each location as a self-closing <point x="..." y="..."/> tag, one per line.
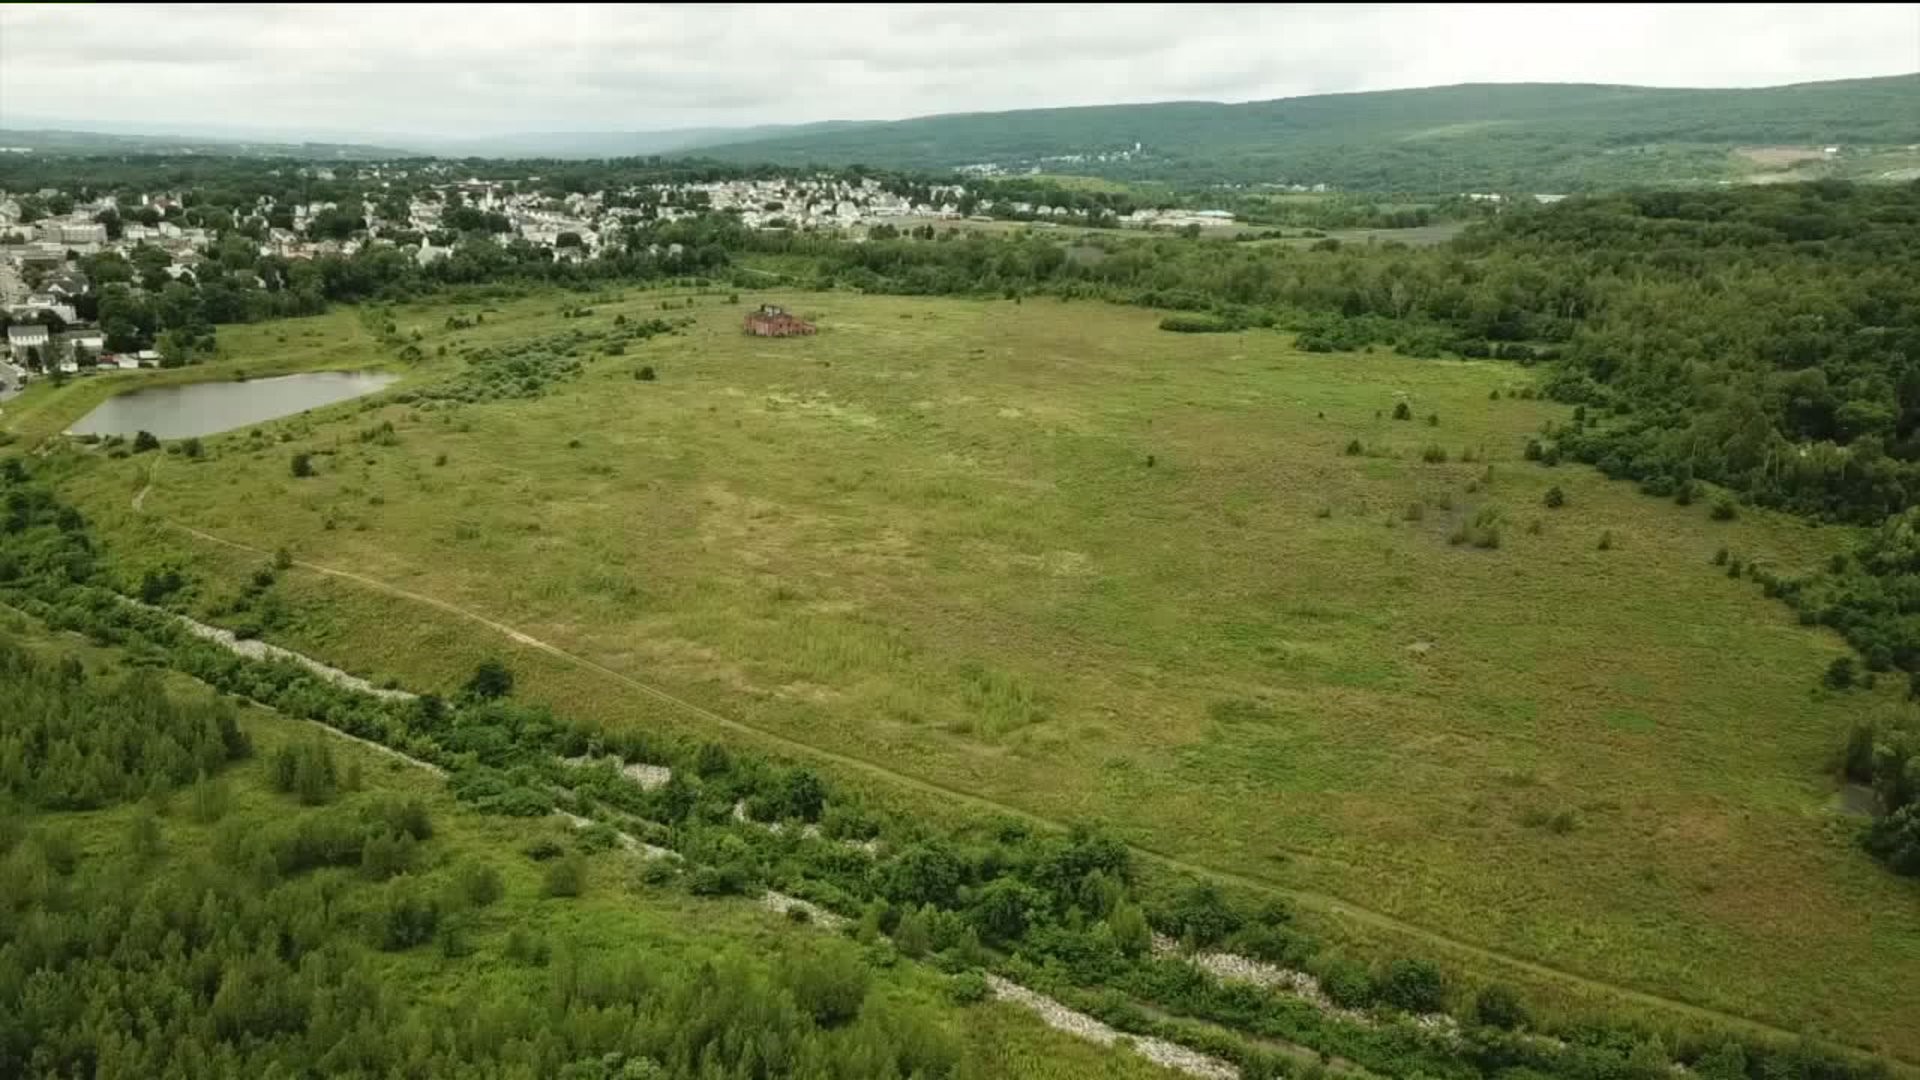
<point x="1723" y="509"/>
<point x="967" y="988"/>
<point x="479" y="883"/>
<point x="1606" y="541"/>
<point x="1840" y="673"/>
<point x="1433" y="419"/>
<point x="1347" y="984"/>
<point x="1433" y="454"/>
<point x="827" y="980"/>
<point x="144" y="442"/>
<point x="193" y="447"/>
<point x="1401" y="411"/>
<point x="1895" y="839"/>
<point x="1535" y="451"/>
<point x="1555" y="498"/>
<point x="1413" y="985"/>
<point x="645" y="374"/>
<point x="1498" y="1006"/>
<point x="1198" y="324"/>
<point x="1354" y="449"/>
<point x="1720" y="557"/>
<point x="302" y="465"/>
<point x="408" y="917"/>
<point x="491" y="680"/>
<point x="566" y="876"/>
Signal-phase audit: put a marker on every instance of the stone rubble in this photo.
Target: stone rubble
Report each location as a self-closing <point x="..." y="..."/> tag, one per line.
<point x="1159" y="1051"/>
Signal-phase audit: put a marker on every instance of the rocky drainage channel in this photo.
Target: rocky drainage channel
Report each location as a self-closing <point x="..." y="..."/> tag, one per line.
<point x="260" y="650"/>
<point x="1232" y="967"/>
<point x="1054" y="1014"/>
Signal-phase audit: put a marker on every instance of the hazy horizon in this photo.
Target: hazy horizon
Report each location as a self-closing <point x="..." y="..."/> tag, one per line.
<point x="403" y="73"/>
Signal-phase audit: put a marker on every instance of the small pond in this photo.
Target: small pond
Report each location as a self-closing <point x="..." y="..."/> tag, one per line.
<point x="179" y="412"/>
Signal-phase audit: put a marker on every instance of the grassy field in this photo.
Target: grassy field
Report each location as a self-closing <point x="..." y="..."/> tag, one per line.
<point x="654" y="926"/>
<point x="1050" y="556"/>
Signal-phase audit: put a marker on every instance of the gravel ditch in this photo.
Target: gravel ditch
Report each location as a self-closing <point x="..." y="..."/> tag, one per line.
<point x="647" y="776"/>
<point x="628" y="841"/>
<point x="260" y="650"/>
<point x="1159" y="1051"/>
<point x="1232" y="967"/>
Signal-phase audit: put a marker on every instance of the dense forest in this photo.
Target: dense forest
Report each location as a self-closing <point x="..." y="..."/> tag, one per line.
<point x="1547" y="137"/>
<point x="263" y="952"/>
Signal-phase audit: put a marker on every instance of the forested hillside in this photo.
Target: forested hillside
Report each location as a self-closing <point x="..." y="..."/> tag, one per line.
<point x="1545" y="137"/>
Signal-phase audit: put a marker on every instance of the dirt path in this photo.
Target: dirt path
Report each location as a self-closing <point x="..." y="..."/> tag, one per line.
<point x="1320" y="902"/>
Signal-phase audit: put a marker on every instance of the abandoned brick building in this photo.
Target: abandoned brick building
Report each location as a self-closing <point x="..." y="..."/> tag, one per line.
<point x="771" y="321"/>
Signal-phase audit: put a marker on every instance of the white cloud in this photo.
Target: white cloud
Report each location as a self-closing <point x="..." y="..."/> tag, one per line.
<point x="478" y="70"/>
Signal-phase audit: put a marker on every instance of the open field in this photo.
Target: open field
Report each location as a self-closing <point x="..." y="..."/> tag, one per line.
<point x="620" y="921"/>
<point x="1049" y="556"/>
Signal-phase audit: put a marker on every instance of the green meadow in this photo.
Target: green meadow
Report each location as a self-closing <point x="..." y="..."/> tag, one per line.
<point x="1201" y="588"/>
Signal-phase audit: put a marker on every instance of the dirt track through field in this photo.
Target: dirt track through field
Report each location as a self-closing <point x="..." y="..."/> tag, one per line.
<point x="1320" y="902"/>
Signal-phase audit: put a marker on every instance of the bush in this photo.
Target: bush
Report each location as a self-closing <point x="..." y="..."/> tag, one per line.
<point x="1498" y="1006"/>
<point x="1413" y="985"/>
<point x="1555" y="498"/>
<point x="193" y="447"/>
<point x="967" y="988"/>
<point x="1401" y="411"/>
<point x="1535" y="451"/>
<point x="827" y="980"/>
<point x="1433" y="419"/>
<point x="302" y="465"/>
<point x="1840" y="673"/>
<point x="408" y="918"/>
<point x="1433" y="454"/>
<point x="1606" y="541"/>
<point x="645" y="374"/>
<point x="566" y="876"/>
<point x="1723" y="509"/>
<point x="144" y="442"/>
<point x="1895" y="840"/>
<point x="479" y="883"/>
<point x="1720" y="557"/>
<point x="491" y="680"/>
<point x="1198" y="324"/>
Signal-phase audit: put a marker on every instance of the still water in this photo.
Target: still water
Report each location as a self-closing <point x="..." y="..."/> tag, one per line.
<point x="179" y="412"/>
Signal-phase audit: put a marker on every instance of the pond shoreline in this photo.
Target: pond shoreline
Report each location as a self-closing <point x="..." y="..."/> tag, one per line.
<point x="196" y="409"/>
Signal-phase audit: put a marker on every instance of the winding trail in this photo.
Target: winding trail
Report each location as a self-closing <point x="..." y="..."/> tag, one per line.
<point x="1321" y="902"/>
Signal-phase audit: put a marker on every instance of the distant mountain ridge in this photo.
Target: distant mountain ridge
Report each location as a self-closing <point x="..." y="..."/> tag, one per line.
<point x="1547" y="135"/>
<point x="1474" y="136"/>
<point x="53" y="140"/>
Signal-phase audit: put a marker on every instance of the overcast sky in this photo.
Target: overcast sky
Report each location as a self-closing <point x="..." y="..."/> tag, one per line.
<point x="479" y="70"/>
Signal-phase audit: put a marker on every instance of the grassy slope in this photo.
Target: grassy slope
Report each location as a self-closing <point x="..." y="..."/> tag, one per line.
<point x="929" y="538"/>
<point x="663" y="924"/>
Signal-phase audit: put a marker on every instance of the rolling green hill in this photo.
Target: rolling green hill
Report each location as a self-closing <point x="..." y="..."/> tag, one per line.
<point x="1544" y="137"/>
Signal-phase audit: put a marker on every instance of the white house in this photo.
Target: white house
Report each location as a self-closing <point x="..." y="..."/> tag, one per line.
<point x="127" y="363"/>
<point x="24" y="336"/>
